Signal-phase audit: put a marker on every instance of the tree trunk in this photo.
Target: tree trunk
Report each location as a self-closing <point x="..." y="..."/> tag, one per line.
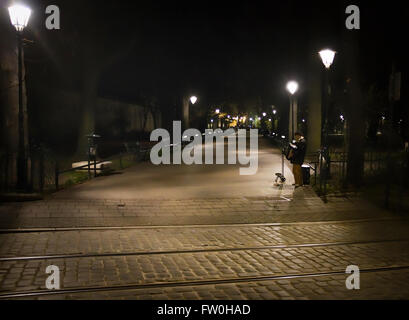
<point x="88" y="105"/>
<point x="185" y="112"/>
<point x="355" y="113"/>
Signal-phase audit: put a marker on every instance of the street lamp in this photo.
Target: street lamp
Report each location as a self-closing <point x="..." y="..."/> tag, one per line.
<point x="19" y="16"/>
<point x="193" y="99"/>
<point x="327" y="57"/>
<point x="292" y="88"/>
<point x="186" y="101"/>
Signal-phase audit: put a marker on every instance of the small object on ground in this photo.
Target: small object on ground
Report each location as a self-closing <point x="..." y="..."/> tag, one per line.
<point x="280" y="179"/>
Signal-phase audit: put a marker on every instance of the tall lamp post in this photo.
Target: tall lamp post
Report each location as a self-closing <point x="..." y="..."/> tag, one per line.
<point x="186" y="110"/>
<point x="275" y="123"/>
<point x="327" y="57"/>
<point x="19" y="16"/>
<point x="292" y="88"/>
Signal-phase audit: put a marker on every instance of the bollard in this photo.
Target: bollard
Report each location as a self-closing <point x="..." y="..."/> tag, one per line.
<point x="56" y="175"/>
<point x="41" y="182"/>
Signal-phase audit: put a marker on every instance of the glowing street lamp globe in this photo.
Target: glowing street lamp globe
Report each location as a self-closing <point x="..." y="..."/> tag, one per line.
<point x="292" y="87"/>
<point x="19" y="16"/>
<point x="264" y="114"/>
<point x="193" y="99"/>
<point x="217" y="111"/>
<point x="327" y="57"/>
<point x="274" y="111"/>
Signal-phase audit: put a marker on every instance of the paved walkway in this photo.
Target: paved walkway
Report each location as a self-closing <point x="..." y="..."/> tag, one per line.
<point x="148" y="181"/>
<point x="236" y="243"/>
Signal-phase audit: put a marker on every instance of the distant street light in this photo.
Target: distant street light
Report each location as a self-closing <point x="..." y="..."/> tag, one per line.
<point x="19" y="16"/>
<point x="217" y="111"/>
<point x="292" y="88"/>
<point x="275" y="125"/>
<point x="327" y="57"/>
<point x="193" y="99"/>
<point x="264" y="114"/>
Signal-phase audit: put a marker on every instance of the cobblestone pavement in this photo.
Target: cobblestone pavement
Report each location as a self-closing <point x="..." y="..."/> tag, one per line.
<point x="302" y="205"/>
<point x="224" y="252"/>
<point x="286" y="244"/>
<point x="157" y="239"/>
<point x="114" y="271"/>
<point x="377" y="285"/>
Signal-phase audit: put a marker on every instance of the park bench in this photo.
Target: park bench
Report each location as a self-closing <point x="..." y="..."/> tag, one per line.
<point x="100" y="166"/>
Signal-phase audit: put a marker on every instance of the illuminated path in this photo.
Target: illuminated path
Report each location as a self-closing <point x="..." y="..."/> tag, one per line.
<point x="147" y="181"/>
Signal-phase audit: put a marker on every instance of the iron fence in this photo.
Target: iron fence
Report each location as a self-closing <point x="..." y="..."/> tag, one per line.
<point x="48" y="172"/>
<point x="385" y="168"/>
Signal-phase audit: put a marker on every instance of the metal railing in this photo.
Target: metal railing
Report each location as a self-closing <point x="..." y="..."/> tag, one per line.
<point x="330" y="168"/>
<point x="46" y="169"/>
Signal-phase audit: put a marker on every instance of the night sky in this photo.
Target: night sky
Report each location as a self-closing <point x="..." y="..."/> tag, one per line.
<point x="224" y="51"/>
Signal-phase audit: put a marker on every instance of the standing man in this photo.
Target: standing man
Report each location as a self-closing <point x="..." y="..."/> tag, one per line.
<point x="296" y="156"/>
